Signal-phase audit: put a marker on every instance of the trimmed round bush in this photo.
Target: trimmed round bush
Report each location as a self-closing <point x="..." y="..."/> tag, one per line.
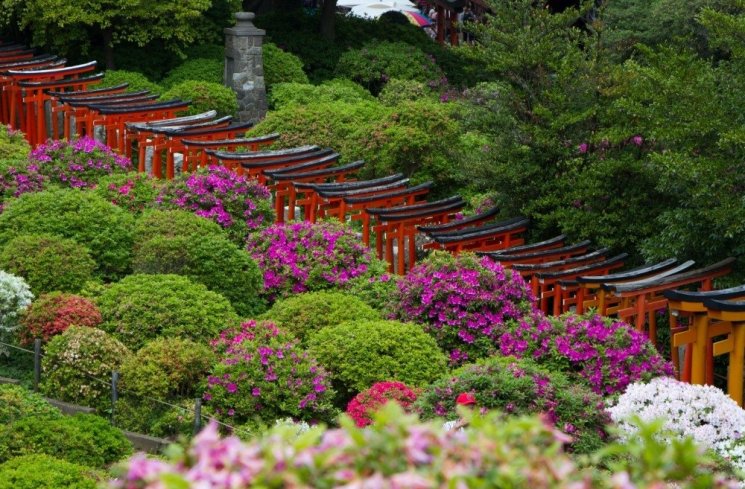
<point x="15" y="297"/>
<point x="137" y="81"/>
<point x="336" y="90"/>
<point x="79" y="163"/>
<point x="77" y="366"/>
<point x="39" y="471"/>
<point x="199" y="69"/>
<point x="83" y="439"/>
<point x="377" y="292"/>
<point x="140" y="308"/>
<point x="605" y="354"/>
<point x="171" y="224"/>
<point x="13" y="145"/>
<point x="103" y="228"/>
<point x="367" y="402"/>
<point x="264" y="375"/>
<point x="51" y="314"/>
<point x="360" y="353"/>
<point x="464" y="302"/>
<point x="304" y="314"/>
<point x="213" y="261"/>
<point x="204" y="96"/>
<point x="281" y="67"/>
<point x="521" y="387"/>
<point x="133" y="191"/>
<point x="48" y="263"/>
<point x="17" y="402"/>
<point x="396" y="91"/>
<point x="302" y="256"/>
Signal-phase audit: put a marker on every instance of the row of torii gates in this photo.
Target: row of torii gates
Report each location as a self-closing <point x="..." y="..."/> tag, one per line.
<point x="45" y="98"/>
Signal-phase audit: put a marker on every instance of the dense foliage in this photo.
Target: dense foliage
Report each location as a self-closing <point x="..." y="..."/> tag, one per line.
<point x="15" y="297"/>
<point x="17" y="402"/>
<point x="13" y="146"/>
<point x="337" y="90"/>
<point x="135" y="81"/>
<point x="198" y="69"/>
<point x="51" y="314"/>
<point x="173" y="224"/>
<point x="204" y="96"/>
<point x="39" y="471"/>
<point x="141" y="307"/>
<point x="281" y="67"/>
<point x="133" y="192"/>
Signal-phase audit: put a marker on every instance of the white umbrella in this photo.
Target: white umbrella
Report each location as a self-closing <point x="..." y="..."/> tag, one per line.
<point x="375" y="10"/>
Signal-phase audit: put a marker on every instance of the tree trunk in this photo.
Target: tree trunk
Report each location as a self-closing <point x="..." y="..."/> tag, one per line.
<point x="108" y="48"/>
<point x="328" y="16"/>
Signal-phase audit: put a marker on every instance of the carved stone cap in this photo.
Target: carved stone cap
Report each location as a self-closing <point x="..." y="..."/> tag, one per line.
<point x="244" y="26"/>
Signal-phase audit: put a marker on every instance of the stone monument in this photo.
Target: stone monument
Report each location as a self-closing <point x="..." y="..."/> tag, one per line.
<point x="244" y="66"/>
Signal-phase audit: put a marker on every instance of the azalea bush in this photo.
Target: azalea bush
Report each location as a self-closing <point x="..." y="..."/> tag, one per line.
<point x="302" y="256"/>
<point x="131" y="191"/>
<point x="701" y="412"/>
<point x="51" y="314"/>
<point x="17" y="402"/>
<point x="234" y="202"/>
<point x="77" y="366"/>
<point x="464" y="302"/>
<point x="79" y="163"/>
<point x="359" y="353"/>
<point x="520" y="387"/>
<point x="263" y="375"/>
<point x="378" y="292"/>
<point x="18" y="178"/>
<point x="140" y="308"/>
<point x="398" y="451"/>
<point x="41" y="471"/>
<point x="604" y="353"/>
<point x="367" y="402"/>
<point x="48" y="263"/>
<point x="13" y="144"/>
<point x="304" y="314"/>
<point x="204" y="96"/>
<point x="15" y="297"/>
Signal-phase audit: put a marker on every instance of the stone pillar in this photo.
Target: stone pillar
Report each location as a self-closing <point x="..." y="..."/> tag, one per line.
<point x="244" y="67"/>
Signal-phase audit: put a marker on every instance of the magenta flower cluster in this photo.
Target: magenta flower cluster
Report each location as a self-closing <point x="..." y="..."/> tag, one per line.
<point x="79" y="163"/>
<point x="367" y="402"/>
<point x="236" y="203"/>
<point x="263" y="373"/>
<point x="466" y="303"/>
<point x="302" y="256"/>
<point x="607" y="354"/>
<point x="18" y="181"/>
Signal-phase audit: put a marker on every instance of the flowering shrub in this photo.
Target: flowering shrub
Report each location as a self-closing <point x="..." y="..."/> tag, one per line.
<point x="15" y="297"/>
<point x="79" y="163"/>
<point x="397" y="452"/>
<point x="360" y="353"/>
<point x="606" y="354"/>
<point x="364" y="404"/>
<point x="17" y="179"/>
<point x="13" y="144"/>
<point x="263" y="374"/>
<point x="49" y="263"/>
<point x="51" y="314"/>
<point x="464" y="302"/>
<point x="140" y="308"/>
<point x="521" y="387"/>
<point x="234" y="202"/>
<point x="84" y="217"/>
<point x="302" y="257"/>
<point x="378" y="292"/>
<point x="132" y="191"/>
<point x="77" y="366"/>
<point x="702" y="412"/>
<point x="17" y="402"/>
<point x="304" y="314"/>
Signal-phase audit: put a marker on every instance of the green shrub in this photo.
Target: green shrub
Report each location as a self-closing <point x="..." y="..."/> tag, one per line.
<point x="137" y="81"/>
<point x="213" y="261"/>
<point x="521" y="387"/>
<point x="304" y="314"/>
<point x="173" y="224"/>
<point x="143" y="307"/>
<point x="83" y="439"/>
<point x="360" y="353"/>
<point x="48" y="263"/>
<point x="133" y="192"/>
<point x="337" y="90"/>
<point x="204" y="96"/>
<point x="397" y="91"/>
<point x="41" y="471"/>
<point x="377" y="292"/>
<point x="17" y="402"/>
<point x="13" y="145"/>
<point x="103" y="228"/>
<point x="199" y="69"/>
<point x="281" y="67"/>
<point x="377" y="62"/>
<point x="77" y="366"/>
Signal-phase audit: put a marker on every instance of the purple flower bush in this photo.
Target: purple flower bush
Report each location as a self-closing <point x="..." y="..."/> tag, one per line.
<point x="133" y="191"/>
<point x="301" y="257"/>
<point x="16" y="181"/>
<point x="264" y="374"/>
<point x="236" y="203"/>
<point x="79" y="163"/>
<point x="465" y="302"/>
<point x="607" y="354"/>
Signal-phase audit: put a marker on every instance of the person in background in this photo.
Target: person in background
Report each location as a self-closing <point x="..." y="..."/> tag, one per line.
<point x="463" y="399"/>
